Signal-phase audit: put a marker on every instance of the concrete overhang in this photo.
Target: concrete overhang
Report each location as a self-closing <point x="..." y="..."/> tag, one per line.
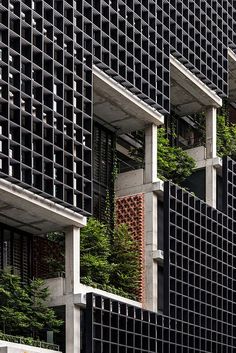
<point x="117" y="108"/>
<point x="188" y="94"/>
<point x="232" y="74"/>
<point x="26" y="211"/>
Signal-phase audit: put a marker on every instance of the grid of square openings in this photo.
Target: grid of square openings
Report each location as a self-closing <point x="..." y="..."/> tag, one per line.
<point x="115" y="327"/>
<point x="201" y="268"/>
<point x="198" y="38"/>
<point x="229" y="187"/>
<point x="131" y="45"/>
<point x="229" y="16"/>
<point x="46" y="93"/>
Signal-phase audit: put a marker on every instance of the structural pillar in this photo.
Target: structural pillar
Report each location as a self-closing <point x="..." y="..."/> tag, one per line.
<point x="151" y="267"/>
<point x="150" y="172"/>
<point x="72" y="260"/>
<point x="73" y="334"/>
<point x="211" y="153"/>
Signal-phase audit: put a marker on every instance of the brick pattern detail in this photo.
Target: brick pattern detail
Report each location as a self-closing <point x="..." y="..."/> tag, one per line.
<point x="130" y="210"/>
<point x="42" y="250"/>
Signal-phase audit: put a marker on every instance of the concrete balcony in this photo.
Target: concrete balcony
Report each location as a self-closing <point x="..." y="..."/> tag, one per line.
<point x="118" y="109"/>
<point x="188" y="94"/>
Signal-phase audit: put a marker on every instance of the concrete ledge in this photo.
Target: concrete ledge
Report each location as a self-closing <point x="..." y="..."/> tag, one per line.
<point x="215" y="162"/>
<point x="26" y="211"/>
<point x="158" y="256"/>
<point x="127" y="112"/>
<point x="86" y="289"/>
<point x="58" y="297"/>
<point x="197" y="153"/>
<point x="132" y="182"/>
<point x="10" y="347"/>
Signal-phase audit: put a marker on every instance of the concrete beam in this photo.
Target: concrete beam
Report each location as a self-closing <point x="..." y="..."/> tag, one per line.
<point x="131" y="183"/>
<point x="118" y="107"/>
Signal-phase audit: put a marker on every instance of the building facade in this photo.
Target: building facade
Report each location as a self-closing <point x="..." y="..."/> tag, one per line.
<point x="78" y="79"/>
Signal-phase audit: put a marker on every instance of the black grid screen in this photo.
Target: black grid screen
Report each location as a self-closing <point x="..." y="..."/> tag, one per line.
<point x="199" y="286"/>
<point x="131" y="45"/>
<point x="47" y="49"/>
<point x="198" y="38"/>
<point x="200" y="269"/>
<point x="103" y="162"/>
<point x="46" y="99"/>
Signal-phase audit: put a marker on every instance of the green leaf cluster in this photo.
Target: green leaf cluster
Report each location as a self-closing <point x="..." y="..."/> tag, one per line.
<point x="23" y="306"/>
<point x="124" y="259"/>
<point x="172" y="162"/>
<point x="226" y="137"/>
<point x="109" y="259"/>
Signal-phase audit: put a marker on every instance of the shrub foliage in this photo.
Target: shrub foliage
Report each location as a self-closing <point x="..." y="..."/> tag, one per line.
<point x="109" y="258"/>
<point x="23" y="306"/>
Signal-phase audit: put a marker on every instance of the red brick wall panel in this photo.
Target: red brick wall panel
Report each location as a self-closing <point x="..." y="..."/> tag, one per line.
<point x="130" y="210"/>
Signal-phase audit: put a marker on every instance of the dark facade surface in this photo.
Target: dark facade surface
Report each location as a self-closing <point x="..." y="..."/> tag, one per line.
<point x="47" y="50"/>
<point x="199" y="287"/>
<point x="199" y="271"/>
<point x="16" y="251"/>
<point x="46" y="93"/>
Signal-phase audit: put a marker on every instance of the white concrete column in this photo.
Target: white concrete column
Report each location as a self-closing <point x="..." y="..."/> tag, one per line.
<point x="150" y="172"/>
<point x="211" y="152"/>
<point x="211" y="185"/>
<point x="150" y="275"/>
<point x="211" y="123"/>
<point x="72" y="328"/>
<point x="72" y="260"/>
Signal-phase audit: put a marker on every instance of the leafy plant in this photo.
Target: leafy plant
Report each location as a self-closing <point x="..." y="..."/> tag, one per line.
<point x="23" y="308"/>
<point x="173" y="163"/>
<point x="125" y="260"/>
<point x="94" y="252"/>
<point x="41" y="316"/>
<point x="109" y="258"/>
<point x="226" y="137"/>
